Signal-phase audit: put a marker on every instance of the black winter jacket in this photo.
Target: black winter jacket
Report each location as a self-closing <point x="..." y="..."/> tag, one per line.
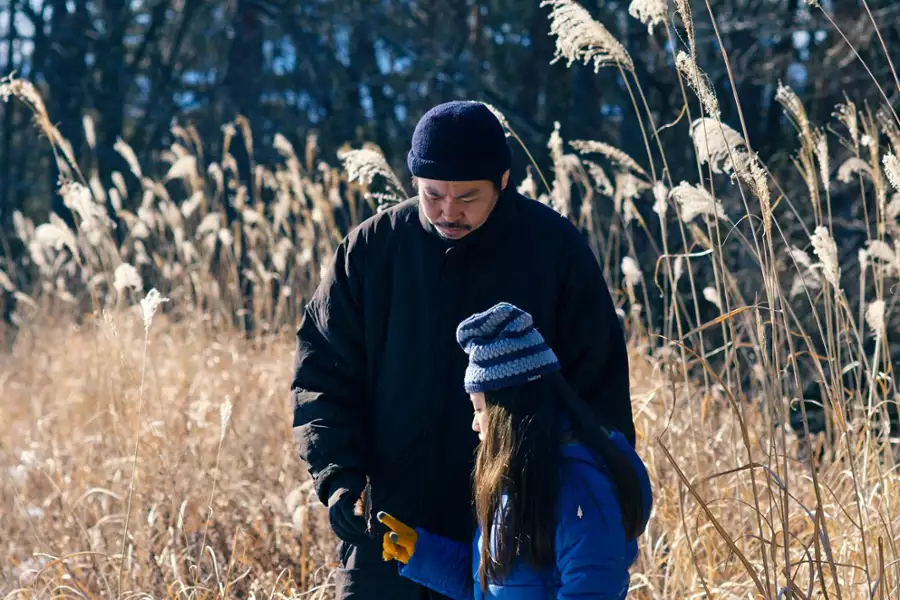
<point x="378" y="376"/>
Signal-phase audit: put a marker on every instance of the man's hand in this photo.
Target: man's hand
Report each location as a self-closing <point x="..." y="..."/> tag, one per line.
<point x="400" y="543"/>
<point x="345" y="522"/>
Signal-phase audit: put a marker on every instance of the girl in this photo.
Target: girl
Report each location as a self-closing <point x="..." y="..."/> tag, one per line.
<point x="564" y="499"/>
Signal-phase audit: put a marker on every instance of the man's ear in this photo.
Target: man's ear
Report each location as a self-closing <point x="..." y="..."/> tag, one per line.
<point x="505" y="181"/>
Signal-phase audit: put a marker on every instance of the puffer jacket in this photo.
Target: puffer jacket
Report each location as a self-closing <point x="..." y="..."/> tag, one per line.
<point x="377" y="383"/>
<point x="593" y="557"/>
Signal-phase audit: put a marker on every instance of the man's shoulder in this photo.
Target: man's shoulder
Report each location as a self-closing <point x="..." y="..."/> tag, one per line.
<point x="379" y="227"/>
<point x="543" y="222"/>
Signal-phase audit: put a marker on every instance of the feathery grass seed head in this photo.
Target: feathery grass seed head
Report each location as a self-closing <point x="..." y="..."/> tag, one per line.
<point x="283" y="146"/>
<point x="695" y="200"/>
<point x="25" y="91"/>
<point x="126" y="152"/>
<point x="631" y="270"/>
<point x="699" y="82"/>
<point x="683" y="7"/>
<point x="528" y="187"/>
<point x="679" y="267"/>
<point x="224" y="417"/>
<point x="715" y="143"/>
<point x="875" y="317"/>
<point x="712" y="296"/>
<point x="127" y="277"/>
<point x="601" y="181"/>
<point x="800" y="257"/>
<point x="610" y="152"/>
<point x="846" y="114"/>
<point x="660" y="198"/>
<point x="184" y="167"/>
<point x="892" y="169"/>
<point x="789" y="99"/>
<point x="580" y="37"/>
<point x="149" y="306"/>
<point x="364" y="165"/>
<point x="649" y="12"/>
<point x="90" y="135"/>
<point x="820" y="147"/>
<point x="889" y="257"/>
<point x="5" y="282"/>
<point x="561" y="193"/>
<point x="851" y="167"/>
<point x="890" y="128"/>
<point x="826" y="249"/>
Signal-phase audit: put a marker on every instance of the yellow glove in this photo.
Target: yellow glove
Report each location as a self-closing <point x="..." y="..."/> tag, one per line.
<point x="400" y="542"/>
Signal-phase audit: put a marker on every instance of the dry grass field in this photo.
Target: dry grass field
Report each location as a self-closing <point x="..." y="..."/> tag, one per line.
<point x="146" y="448"/>
<point x="217" y="505"/>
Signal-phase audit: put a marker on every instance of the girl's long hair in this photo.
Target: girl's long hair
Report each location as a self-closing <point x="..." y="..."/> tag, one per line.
<point x="520" y="456"/>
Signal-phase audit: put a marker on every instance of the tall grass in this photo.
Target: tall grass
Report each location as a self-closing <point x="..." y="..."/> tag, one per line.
<point x="153" y="455"/>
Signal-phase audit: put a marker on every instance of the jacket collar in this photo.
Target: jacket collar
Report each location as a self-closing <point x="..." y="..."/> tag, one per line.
<point x="500" y="219"/>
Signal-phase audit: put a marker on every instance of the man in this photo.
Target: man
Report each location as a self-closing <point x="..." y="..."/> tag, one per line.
<point x="378" y="378"/>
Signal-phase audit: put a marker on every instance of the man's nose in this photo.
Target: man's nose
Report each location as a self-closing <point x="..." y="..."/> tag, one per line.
<point x="475" y="424"/>
<point x="449" y="210"/>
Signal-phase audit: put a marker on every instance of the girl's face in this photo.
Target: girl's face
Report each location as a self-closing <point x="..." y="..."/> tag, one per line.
<point x="479" y="422"/>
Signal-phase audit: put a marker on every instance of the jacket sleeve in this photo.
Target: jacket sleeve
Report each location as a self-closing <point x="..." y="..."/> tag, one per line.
<point x="643" y="477"/>
<point x="442" y="565"/>
<point x="327" y="390"/>
<point x="591" y="345"/>
<point x="592" y="556"/>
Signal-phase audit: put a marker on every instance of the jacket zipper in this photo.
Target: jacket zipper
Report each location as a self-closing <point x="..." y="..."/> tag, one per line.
<point x="434" y="425"/>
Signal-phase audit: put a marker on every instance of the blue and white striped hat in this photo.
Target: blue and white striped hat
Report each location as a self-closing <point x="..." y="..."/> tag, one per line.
<point x="504" y="349"/>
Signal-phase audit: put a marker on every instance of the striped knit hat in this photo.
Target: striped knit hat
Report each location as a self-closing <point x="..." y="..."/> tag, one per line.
<point x="504" y="349"/>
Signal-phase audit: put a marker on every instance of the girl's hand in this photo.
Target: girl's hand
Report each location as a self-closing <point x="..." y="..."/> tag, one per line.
<point x="400" y="543"/>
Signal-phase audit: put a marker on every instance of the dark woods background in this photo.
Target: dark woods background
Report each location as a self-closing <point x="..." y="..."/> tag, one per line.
<point x="351" y="71"/>
<point x="325" y="73"/>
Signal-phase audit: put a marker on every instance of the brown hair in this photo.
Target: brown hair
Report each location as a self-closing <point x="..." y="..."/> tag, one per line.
<point x="520" y="457"/>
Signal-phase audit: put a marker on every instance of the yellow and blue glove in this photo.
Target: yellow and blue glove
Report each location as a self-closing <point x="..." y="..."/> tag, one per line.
<point x="400" y="542"/>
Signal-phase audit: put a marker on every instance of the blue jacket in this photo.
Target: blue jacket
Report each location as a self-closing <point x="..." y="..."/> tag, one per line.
<point x="592" y="555"/>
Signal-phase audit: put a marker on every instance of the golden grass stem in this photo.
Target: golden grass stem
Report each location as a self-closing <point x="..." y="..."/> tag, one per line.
<point x="134" y="456"/>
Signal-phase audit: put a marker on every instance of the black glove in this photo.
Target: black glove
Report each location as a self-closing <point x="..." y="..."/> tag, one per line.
<point x="348" y="526"/>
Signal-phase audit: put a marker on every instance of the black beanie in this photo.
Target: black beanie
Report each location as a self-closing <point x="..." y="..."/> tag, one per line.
<point x="459" y="141"/>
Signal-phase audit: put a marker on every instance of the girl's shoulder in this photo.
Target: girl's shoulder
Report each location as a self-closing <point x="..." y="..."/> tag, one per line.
<point x="584" y="474"/>
<point x="584" y="480"/>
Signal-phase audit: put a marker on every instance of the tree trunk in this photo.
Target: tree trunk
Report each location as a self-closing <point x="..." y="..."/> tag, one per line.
<point x="6" y="162"/>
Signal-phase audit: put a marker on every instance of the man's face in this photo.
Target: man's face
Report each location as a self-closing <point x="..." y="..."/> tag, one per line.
<point x="457" y="208"/>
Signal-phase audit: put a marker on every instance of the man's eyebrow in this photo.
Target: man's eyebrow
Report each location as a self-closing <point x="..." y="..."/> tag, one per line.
<point x="467" y="194"/>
